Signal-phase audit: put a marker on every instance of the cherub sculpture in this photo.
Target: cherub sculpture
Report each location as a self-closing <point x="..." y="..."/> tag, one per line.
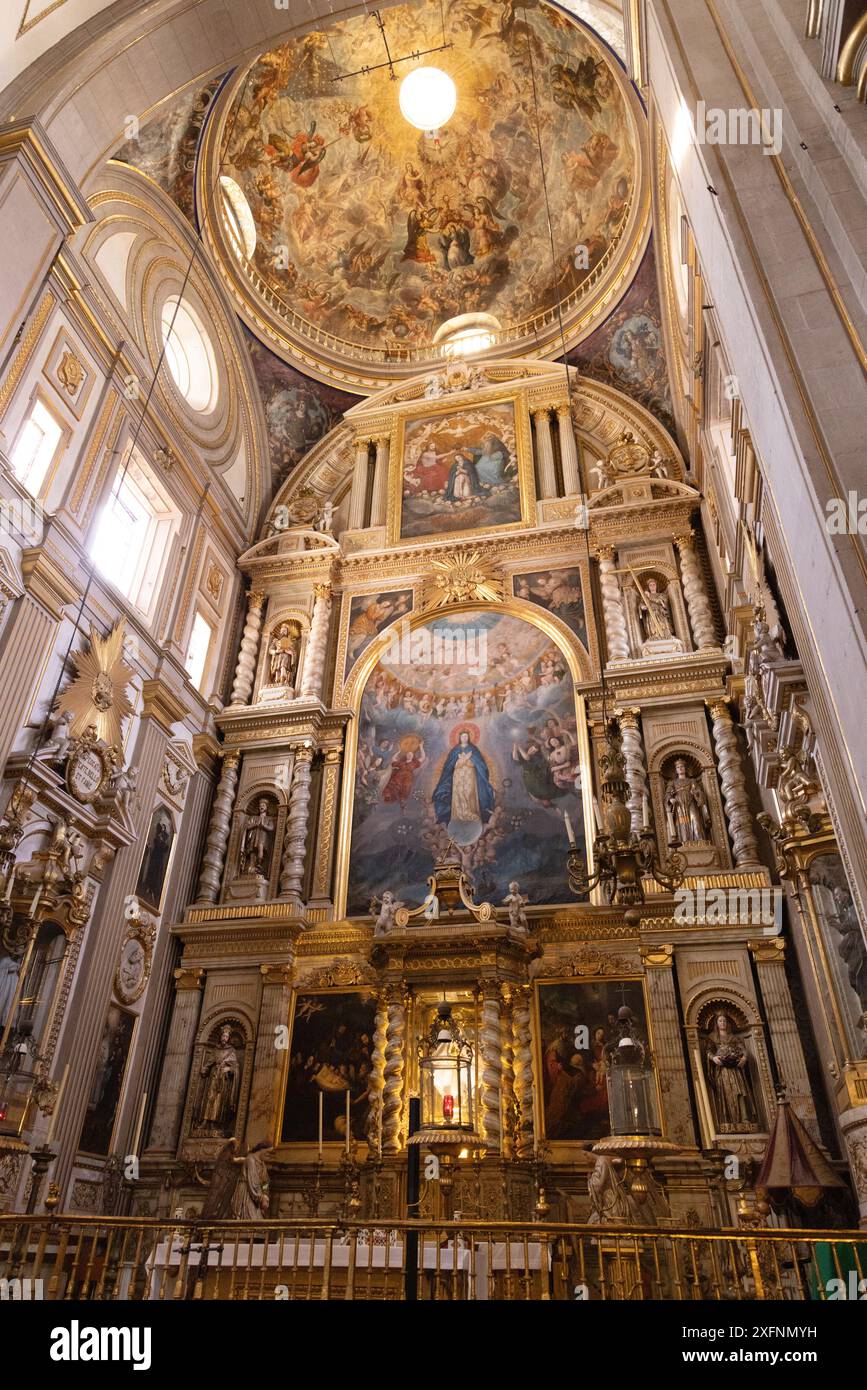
<point x="516" y="902"/>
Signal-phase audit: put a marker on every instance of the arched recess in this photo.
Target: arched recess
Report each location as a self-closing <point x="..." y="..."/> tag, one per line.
<point x="521" y="696"/>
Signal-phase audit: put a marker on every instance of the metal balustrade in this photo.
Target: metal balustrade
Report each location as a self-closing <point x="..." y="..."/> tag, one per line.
<point x="139" y="1259"/>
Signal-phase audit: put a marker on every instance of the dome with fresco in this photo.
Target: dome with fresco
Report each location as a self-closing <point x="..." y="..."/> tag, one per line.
<point x="350" y="239"/>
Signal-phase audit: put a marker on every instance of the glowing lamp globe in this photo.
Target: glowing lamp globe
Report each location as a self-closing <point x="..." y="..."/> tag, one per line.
<point x="428" y="98"/>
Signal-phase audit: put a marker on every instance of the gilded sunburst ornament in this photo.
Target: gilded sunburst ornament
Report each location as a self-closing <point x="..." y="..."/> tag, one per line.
<point x="97" y="696"/>
<point x="462" y="578"/>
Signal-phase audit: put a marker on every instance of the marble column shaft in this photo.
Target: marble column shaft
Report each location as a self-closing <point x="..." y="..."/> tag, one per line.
<point x="245" y="670"/>
<point x="734" y="790"/>
<point x="218" y="831"/>
<point x="491" y="1047"/>
<point x="568" y="452"/>
<point x="392" y="1091"/>
<point x="697" y="602"/>
<point x="612" y="606"/>
<point x="668" y="1048"/>
<point x="522" y="1043"/>
<point x="545" y="452"/>
<point x="317" y="641"/>
<point x="379" y="501"/>
<point x="358" y="494"/>
<point x="292" y="867"/>
<point x="769" y="955"/>
<point x="171" y="1097"/>
<point x="269" y="1059"/>
<point x="636" y="768"/>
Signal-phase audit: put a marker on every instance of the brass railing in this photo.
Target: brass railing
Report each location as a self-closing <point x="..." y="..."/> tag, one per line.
<point x="70" y="1257"/>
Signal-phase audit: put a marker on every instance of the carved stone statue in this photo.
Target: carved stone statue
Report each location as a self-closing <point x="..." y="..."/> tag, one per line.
<point x="219" y="1098"/>
<point x="389" y="905"/>
<point x="251" y="1199"/>
<point x="516" y="902"/>
<point x="124" y="781"/>
<point x="57" y="747"/>
<point x="258" y="838"/>
<point x="729" y="1079"/>
<point x="326" y="520"/>
<point x="610" y="1200"/>
<point x="654" y="612"/>
<point x="283" y="656"/>
<point x="851" y="946"/>
<point x="686" y="810"/>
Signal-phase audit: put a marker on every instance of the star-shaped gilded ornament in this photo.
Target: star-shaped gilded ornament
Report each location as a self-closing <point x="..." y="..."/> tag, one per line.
<point x="462" y="578"/>
<point x="97" y="696"/>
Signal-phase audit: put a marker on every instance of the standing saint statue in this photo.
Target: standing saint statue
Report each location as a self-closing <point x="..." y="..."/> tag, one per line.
<point x="687" y="813"/>
<point x="654" y="612"/>
<point x="729" y="1079"/>
<point x="251" y="1199"/>
<point x="220" y="1097"/>
<point x="256" y="849"/>
<point x="283" y="656"/>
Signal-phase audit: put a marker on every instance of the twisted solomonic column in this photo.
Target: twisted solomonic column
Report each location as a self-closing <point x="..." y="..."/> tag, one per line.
<point x="507" y="1085"/>
<point x="523" y="1064"/>
<point x="731" y="775"/>
<point x="697" y="602"/>
<point x="218" y="831"/>
<point x="636" y="768"/>
<point x="612" y="605"/>
<point x="392" y="1091"/>
<point x="245" y="670"/>
<point x="491" y="1048"/>
<point x="376" y="1083"/>
<point x="295" y="844"/>
<point x="317" y="641"/>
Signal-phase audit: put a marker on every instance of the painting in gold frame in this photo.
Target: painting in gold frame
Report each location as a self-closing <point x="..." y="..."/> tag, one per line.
<point x="330" y="1054"/>
<point x="572" y="1092"/>
<point x="461" y="471"/>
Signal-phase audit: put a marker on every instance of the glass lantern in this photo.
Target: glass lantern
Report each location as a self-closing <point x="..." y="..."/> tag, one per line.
<point x="631" y="1088"/>
<point x="445" y="1074"/>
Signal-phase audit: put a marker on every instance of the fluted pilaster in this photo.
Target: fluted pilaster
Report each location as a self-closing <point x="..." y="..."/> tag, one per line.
<point x="636" y="768"/>
<point x="545" y="452"/>
<point x="658" y="964"/>
<point x="612" y="605"/>
<point x="697" y="602"/>
<point x="731" y="775"/>
<point x="317" y="641"/>
<point x="245" y="670"/>
<point x="218" y="831"/>
<point x="568" y="451"/>
<point x="392" y="1092"/>
<point x="166" y="1123"/>
<point x="295" y="844"/>
<point x="769" y="954"/>
<point x="268" y="1059"/>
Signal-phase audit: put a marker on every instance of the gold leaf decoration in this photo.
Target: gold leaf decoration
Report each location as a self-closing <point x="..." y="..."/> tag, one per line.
<point x="462" y="578"/>
<point x="97" y="696"/>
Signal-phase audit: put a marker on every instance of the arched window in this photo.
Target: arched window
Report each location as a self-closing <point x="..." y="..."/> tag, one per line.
<point x="189" y="355"/>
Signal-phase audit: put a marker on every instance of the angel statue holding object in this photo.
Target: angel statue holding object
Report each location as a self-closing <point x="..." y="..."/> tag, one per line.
<point x="516" y="902"/>
<point x="388" y="906"/>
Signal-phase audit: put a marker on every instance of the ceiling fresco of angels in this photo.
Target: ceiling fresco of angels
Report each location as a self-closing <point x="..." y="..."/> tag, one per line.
<point x="467" y="736"/>
<point x="377" y="232"/>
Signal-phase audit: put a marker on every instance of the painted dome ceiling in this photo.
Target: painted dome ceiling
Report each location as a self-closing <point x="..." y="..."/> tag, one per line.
<point x="348" y="237"/>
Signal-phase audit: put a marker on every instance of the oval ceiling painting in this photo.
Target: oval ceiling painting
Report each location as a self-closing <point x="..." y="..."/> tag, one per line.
<point x="370" y="234"/>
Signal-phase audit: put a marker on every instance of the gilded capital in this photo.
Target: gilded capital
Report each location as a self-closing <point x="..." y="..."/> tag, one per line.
<point x="257" y="598"/>
<point x="658" y="957"/>
<point x="768" y="950"/>
<point x="606" y="552"/>
<point x="187" y="978"/>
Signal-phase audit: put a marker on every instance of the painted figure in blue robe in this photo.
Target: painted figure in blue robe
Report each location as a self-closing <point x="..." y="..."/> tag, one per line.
<point x="463" y="482"/>
<point x="492" y="461"/>
<point x="463" y="797"/>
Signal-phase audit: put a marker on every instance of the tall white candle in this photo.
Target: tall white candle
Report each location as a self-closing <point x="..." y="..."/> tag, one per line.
<point x="597" y="814"/>
<point x="646" y="809"/>
<point x="569" y="831"/>
<point x="56" y="1111"/>
<point x="347" y="1119"/>
<point x="321" y="1098"/>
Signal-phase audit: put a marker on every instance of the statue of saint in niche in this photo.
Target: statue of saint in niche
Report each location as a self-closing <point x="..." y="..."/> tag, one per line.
<point x="258" y="838"/>
<point x="654" y="612"/>
<point x="727" y="1064"/>
<point x="687" y="813"/>
<point x="283" y="654"/>
<point x="221" y="1070"/>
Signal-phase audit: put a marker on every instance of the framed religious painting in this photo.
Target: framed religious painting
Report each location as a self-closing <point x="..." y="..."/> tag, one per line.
<point x="156" y="859"/>
<point x="470" y="738"/>
<point x="463" y="469"/>
<point x="369" y="615"/>
<point x="329" y="1070"/>
<point x="107" y="1084"/>
<point x="575" y="1022"/>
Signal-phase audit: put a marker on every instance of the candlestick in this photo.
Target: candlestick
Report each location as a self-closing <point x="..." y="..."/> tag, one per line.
<point x="347" y="1119"/>
<point x="56" y="1111"/>
<point x="321" y="1098"/>
<point x="569" y="831"/>
<point x="139" y="1121"/>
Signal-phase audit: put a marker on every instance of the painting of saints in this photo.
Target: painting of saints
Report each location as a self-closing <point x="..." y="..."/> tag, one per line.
<point x="406" y="762"/>
<point x="463" y="797"/>
<point x="463" y="482"/>
<point x="460" y="471"/>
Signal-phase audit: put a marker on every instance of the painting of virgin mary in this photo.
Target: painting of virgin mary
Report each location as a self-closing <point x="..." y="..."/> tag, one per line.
<point x="463" y="797"/>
